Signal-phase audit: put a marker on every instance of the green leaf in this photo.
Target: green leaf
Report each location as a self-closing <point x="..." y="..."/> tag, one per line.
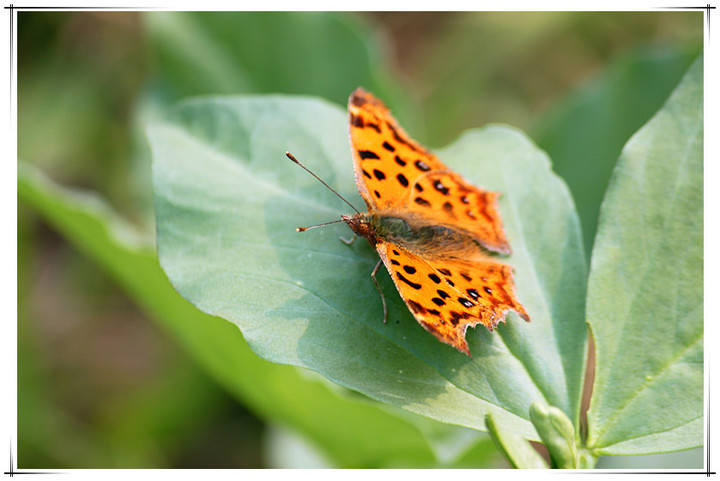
<point x="645" y="295"/>
<point x="519" y="453"/>
<point x="317" y="53"/>
<point x="557" y="433"/>
<point x="349" y="430"/>
<point x="585" y="133"/>
<point x="681" y="460"/>
<point x="227" y="203"/>
<point x="328" y="54"/>
<point x="285" y="449"/>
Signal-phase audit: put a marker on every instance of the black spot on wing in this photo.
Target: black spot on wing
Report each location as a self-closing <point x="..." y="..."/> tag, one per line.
<point x="422" y="202"/>
<point x="409" y="269"/>
<point x="415" y="307"/>
<point x="375" y="127"/>
<point x="367" y="154"/>
<point x="407" y="281"/>
<point x="357" y="121"/>
<point x="379" y="174"/>
<point x="465" y="302"/>
<point x="400" y="161"/>
<point x="403" y="180"/>
<point x="456" y="317"/>
<point x="387" y="146"/>
<point x="440" y="187"/>
<point x="438" y="301"/>
<point x="434" y="278"/>
<point x="422" y="165"/>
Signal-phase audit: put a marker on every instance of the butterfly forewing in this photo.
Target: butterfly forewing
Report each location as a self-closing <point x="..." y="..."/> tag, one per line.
<point x="387" y="161"/>
<point x="396" y="174"/>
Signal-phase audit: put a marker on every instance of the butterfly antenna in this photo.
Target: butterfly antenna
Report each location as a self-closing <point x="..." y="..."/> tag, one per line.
<point x="303" y="229"/>
<point x="292" y="157"/>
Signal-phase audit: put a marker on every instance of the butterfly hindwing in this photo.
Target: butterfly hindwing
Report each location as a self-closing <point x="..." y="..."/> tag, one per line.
<point x="447" y="296"/>
<point x="445" y="198"/>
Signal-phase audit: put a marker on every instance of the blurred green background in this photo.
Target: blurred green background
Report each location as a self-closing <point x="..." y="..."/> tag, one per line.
<point x="99" y="383"/>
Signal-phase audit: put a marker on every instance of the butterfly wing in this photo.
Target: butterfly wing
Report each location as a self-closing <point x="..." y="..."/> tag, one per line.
<point x="447" y="296"/>
<point x="446" y="198"/>
<point x="395" y="173"/>
<point x="387" y="161"/>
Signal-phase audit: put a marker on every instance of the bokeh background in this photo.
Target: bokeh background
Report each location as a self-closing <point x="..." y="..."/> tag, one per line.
<point x="100" y="384"/>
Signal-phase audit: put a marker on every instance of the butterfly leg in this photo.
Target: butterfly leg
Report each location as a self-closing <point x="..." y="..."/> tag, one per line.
<point x="349" y="241"/>
<point x="382" y="296"/>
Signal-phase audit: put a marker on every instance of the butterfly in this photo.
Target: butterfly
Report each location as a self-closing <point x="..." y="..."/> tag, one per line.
<point x="432" y="229"/>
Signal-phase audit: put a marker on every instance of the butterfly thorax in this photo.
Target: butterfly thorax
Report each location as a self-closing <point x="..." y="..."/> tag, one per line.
<point x="414" y="234"/>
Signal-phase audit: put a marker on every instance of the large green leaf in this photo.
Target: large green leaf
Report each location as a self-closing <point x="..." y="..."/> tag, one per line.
<point x="351" y="431"/>
<point x="327" y="54"/>
<point x="227" y="203"/>
<point x="645" y="297"/>
<point x="585" y="132"/>
<point x="318" y="53"/>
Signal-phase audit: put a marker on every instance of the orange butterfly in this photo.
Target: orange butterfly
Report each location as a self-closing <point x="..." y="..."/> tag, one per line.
<point x="431" y="228"/>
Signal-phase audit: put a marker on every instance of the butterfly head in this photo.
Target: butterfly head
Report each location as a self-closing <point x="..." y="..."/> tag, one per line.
<point x="362" y="224"/>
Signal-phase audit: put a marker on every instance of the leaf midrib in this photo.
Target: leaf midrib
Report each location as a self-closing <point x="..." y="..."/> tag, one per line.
<point x="626" y="318"/>
<point x="601" y="449"/>
<point x="645" y="385"/>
